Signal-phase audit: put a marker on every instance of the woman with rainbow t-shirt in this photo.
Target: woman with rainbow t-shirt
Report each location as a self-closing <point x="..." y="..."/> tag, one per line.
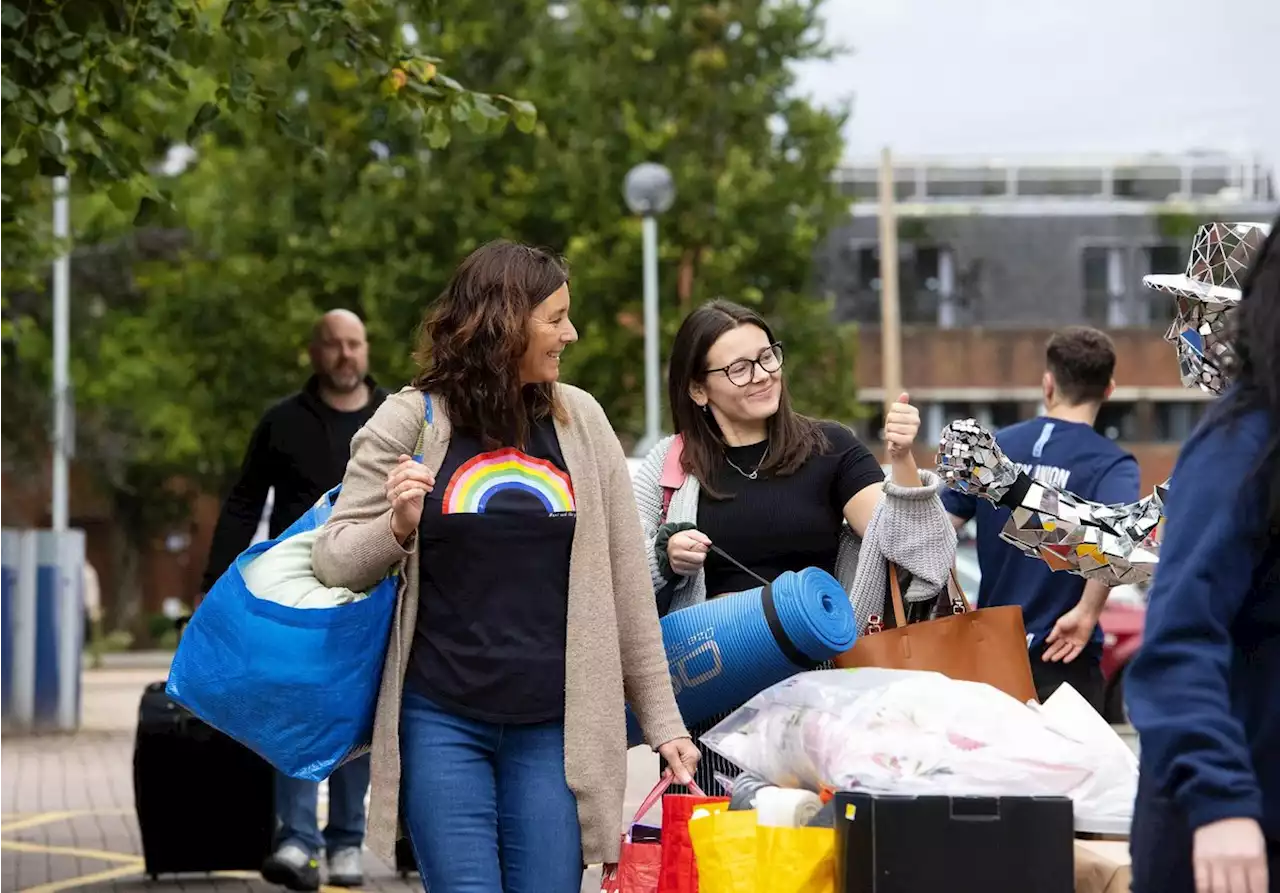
<point x="525" y="609"/>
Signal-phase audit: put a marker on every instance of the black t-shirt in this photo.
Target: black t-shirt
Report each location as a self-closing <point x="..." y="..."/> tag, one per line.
<point x="495" y="538"/>
<point x="777" y="524"/>
<point x="341" y="427"/>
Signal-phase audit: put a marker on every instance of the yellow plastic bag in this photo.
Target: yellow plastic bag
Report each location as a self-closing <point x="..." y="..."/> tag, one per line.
<point x="725" y="847"/>
<point x="795" y="860"/>
<point x="735" y="855"/>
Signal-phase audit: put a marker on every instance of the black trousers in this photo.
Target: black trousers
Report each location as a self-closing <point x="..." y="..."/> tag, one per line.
<point x="1084" y="674"/>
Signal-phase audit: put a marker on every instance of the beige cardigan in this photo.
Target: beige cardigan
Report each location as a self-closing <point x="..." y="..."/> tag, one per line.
<point x="614" y="654"/>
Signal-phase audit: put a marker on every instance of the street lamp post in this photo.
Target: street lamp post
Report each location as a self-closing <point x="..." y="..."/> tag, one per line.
<point x="650" y="191"/>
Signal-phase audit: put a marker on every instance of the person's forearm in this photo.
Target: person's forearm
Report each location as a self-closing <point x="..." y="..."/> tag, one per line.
<point x="1094" y="597"/>
<point x="904" y="471"/>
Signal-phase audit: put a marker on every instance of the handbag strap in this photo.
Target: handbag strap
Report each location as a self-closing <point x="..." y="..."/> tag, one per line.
<point x="895" y="594"/>
<point x="958" y="600"/>
<point x="656" y="794"/>
<point x="958" y="590"/>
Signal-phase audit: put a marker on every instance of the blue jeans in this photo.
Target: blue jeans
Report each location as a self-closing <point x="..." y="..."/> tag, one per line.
<point x="487" y="806"/>
<point x="296" y="809"/>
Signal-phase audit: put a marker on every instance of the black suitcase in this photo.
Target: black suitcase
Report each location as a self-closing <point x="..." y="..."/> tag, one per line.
<point x="205" y="802"/>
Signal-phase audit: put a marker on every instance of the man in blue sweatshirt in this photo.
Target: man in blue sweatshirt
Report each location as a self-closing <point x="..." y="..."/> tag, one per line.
<point x="1061" y="448"/>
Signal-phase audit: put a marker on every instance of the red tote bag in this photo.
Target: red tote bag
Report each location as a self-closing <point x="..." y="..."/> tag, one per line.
<point x="639" y="866"/>
<point x="679" y="873"/>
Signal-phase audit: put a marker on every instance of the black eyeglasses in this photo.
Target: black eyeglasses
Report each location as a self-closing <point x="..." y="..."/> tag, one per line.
<point x="740" y="372"/>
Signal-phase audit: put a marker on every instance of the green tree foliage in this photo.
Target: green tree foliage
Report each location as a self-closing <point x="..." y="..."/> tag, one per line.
<point x="125" y="79"/>
<point x="704" y="88"/>
<point x="197" y="320"/>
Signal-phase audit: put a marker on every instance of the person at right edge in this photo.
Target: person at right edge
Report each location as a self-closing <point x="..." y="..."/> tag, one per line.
<point x="1059" y="447"/>
<point x="1204" y="690"/>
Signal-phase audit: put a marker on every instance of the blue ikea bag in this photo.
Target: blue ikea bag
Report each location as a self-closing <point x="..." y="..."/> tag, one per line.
<point x="296" y="685"/>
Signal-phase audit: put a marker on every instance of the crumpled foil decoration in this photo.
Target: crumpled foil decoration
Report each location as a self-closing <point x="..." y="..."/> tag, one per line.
<point x="1201" y="334"/>
<point x="1206" y="294"/>
<point x="970" y="461"/>
<point x="1113" y="544"/>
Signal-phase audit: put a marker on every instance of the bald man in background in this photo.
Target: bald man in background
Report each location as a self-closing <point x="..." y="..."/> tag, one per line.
<point x="300" y="448"/>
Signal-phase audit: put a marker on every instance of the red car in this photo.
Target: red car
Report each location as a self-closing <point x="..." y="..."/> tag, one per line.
<point x="1122" y="621"/>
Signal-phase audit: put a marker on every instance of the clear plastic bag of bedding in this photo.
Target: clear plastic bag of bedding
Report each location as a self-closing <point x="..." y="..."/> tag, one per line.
<point x="911" y="732"/>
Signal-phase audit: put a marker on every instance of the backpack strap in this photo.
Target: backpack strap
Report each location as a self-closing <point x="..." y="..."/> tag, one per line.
<point x="673" y="474"/>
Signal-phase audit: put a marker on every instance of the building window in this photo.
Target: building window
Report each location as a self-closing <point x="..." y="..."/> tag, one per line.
<point x="1165" y="257"/>
<point x="1174" y="421"/>
<point x="1008" y="412"/>
<point x="1118" y="421"/>
<point x="926" y="282"/>
<point x="1104" y="274"/>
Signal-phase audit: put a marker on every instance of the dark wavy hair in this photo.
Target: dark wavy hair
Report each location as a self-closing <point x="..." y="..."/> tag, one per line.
<point x="1255" y="369"/>
<point x="474" y="335"/>
<point x="793" y="438"/>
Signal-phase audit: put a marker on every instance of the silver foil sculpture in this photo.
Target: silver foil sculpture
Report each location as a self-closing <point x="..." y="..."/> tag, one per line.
<point x="1111" y="543"/>
<point x="1114" y="543"/>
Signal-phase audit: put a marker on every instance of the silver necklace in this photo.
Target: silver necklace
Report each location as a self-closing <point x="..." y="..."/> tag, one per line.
<point x="755" y="472"/>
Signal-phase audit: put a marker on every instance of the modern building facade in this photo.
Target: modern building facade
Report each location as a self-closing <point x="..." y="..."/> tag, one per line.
<point x="995" y="254"/>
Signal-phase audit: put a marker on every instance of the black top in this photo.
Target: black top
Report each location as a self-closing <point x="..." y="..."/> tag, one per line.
<point x="777" y="524"/>
<point x="300" y="447"/>
<point x="495" y="539"/>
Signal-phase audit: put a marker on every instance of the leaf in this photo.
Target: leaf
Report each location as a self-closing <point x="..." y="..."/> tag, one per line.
<point x="148" y="210"/>
<point x="205" y="116"/>
<point x="296" y="57"/>
<point x="16" y="155"/>
<point x="62" y="99"/>
<point x="10" y="90"/>
<point x="121" y="195"/>
<point x="232" y="13"/>
<point x="51" y="142"/>
<point x="483" y="113"/>
<point x="525" y="114"/>
<point x="12" y="17"/>
<point x="439" y="135"/>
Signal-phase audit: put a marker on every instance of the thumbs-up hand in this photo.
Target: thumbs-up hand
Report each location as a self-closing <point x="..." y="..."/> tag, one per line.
<point x="901" y="424"/>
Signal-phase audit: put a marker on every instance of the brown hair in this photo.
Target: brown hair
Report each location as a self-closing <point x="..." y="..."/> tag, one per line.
<point x="793" y="438"/>
<point x="474" y="335"/>
<point x="1082" y="361"/>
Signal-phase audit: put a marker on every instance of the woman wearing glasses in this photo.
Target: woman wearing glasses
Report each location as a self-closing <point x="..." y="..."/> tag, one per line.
<point x="773" y="488"/>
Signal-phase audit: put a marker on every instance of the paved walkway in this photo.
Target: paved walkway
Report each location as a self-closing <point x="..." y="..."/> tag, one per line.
<point x="68" y="821"/>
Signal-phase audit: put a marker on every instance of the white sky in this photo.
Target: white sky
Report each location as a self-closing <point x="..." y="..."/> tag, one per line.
<point x="1055" y="76"/>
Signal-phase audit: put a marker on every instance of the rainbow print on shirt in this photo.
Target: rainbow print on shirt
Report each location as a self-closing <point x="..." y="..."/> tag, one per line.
<point x="507" y="470"/>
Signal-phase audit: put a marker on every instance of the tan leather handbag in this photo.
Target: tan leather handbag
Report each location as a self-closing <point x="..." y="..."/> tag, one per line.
<point x="985" y="645"/>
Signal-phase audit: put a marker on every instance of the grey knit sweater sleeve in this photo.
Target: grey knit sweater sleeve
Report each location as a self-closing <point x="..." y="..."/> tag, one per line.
<point x="910" y="528"/>
<point x="648" y="491"/>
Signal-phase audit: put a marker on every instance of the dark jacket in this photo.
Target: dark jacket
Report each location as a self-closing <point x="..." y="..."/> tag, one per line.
<point x="300" y="447"/>
<point x="1203" y="690"/>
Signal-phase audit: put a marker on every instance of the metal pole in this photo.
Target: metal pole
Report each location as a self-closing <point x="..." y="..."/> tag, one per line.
<point x="890" y="332"/>
<point x="651" y="402"/>
<point x="61" y="350"/>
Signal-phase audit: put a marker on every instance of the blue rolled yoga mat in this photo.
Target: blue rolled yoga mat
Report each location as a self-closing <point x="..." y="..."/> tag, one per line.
<point x="727" y="650"/>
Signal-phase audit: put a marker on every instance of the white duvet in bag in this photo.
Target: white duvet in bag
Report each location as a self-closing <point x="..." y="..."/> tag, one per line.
<point x="283" y="574"/>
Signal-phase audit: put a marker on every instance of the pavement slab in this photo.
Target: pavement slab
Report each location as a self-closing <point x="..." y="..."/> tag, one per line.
<point x="68" y="820"/>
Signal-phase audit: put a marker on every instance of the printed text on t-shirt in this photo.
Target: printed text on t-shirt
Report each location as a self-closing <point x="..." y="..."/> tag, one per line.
<point x="1050" y="475"/>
